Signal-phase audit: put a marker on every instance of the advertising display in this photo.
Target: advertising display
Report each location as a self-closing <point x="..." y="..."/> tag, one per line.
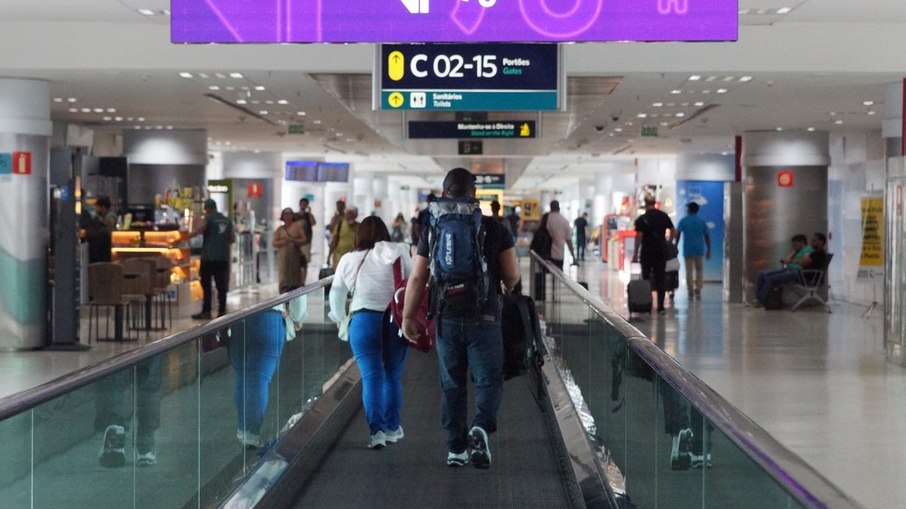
<point x="288" y="21"/>
<point x="709" y="195"/>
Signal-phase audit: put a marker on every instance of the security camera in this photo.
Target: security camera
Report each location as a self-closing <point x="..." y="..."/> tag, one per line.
<point x="615" y="115"/>
<point x="599" y="128"/>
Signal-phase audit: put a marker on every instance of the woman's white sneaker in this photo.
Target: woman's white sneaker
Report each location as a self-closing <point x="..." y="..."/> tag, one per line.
<point x="394" y="436"/>
<point x="378" y="441"/>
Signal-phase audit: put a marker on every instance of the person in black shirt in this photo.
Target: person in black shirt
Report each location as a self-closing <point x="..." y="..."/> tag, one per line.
<point x="650" y="229"/>
<point x="580" y="225"/>
<point x="468" y="344"/>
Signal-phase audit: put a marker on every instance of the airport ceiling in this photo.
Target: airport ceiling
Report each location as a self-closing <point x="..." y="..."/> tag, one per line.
<point x="826" y="65"/>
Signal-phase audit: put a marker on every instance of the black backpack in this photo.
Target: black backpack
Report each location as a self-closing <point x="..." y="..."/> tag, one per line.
<point x="541" y="240"/>
<point x="459" y="269"/>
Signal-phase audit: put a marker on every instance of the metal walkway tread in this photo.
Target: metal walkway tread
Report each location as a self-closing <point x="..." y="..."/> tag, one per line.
<point x="413" y="473"/>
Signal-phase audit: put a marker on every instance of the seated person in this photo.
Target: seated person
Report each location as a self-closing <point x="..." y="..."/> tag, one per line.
<point x="797" y="258"/>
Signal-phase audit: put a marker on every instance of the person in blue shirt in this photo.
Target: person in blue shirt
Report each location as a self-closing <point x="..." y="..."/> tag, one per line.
<point x="696" y="249"/>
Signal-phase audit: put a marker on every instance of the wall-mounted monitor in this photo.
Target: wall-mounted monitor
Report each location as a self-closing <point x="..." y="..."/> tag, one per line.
<point x="317" y="171"/>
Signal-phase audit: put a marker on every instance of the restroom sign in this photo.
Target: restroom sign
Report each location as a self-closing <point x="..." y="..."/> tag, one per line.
<point x="22" y="163"/>
<point x="785" y="178"/>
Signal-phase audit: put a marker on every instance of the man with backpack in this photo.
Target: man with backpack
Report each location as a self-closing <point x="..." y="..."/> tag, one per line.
<point x="471" y="262"/>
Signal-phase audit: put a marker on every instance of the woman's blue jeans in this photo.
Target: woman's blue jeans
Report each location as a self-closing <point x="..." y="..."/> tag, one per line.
<point x="255" y="361"/>
<point x="463" y="345"/>
<point x="381" y="368"/>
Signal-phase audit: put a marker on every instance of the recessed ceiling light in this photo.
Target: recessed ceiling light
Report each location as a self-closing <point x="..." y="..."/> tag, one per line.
<point x="213" y="87"/>
<point x="165" y="12"/>
<point x="833" y="113"/>
<point x="141" y="119"/>
<point x="618" y="130"/>
<point x="642" y="115"/>
<point x="263" y="112"/>
<point x="316" y="122"/>
<point x="111" y="110"/>
<point x="695" y="77"/>
<point x="269" y="101"/>
<point x="99" y="110"/>
<point x="203" y="75"/>
<point x="118" y="119"/>
<point x="680" y="114"/>
<point x="57" y="99"/>
<point x="255" y="101"/>
<point x="71" y="100"/>
<point x="241" y="101"/>
<point x="186" y="75"/>
<point x="706" y="91"/>
<point x="721" y="90"/>
<point x="728" y="78"/>
<point x="230" y="87"/>
<point x="86" y="110"/>
<point x="236" y="75"/>
<point x="676" y="92"/>
<point x="282" y="101"/>
<point x="745" y="79"/>
<point x="780" y="129"/>
<point x="699" y="104"/>
<point x="784" y="10"/>
<point x="743" y="12"/>
<point x="300" y="113"/>
<point x="146" y="12"/>
<point x="711" y="78"/>
<point x="868" y="103"/>
<point x="658" y="105"/>
<point x="838" y="122"/>
<point x="169" y="127"/>
<point x="158" y="127"/>
<point x="871" y="112"/>
<point x="259" y="88"/>
<point x="73" y="110"/>
<point x="811" y="129"/>
<point x="220" y="75"/>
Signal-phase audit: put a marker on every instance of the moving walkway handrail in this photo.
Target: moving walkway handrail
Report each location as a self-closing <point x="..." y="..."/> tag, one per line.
<point x="16" y="403"/>
<point x="799" y="478"/>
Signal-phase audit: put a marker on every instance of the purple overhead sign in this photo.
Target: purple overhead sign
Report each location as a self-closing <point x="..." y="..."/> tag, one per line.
<point x="407" y="21"/>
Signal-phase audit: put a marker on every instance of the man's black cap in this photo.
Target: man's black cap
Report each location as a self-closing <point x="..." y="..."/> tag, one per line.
<point x="459" y="181"/>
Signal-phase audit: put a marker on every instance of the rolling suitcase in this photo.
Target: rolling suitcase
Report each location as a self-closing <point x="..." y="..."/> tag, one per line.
<point x="638" y="293"/>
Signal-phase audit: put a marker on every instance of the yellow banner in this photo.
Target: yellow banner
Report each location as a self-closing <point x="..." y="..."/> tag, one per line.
<point x="871" y="261"/>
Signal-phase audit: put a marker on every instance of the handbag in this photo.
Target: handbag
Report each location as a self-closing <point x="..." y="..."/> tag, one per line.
<point x="423" y="323"/>
<point x="343" y="325"/>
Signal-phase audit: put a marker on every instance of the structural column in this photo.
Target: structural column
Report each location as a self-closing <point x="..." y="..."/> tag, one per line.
<point x="784" y="193"/>
<point x="25" y="130"/>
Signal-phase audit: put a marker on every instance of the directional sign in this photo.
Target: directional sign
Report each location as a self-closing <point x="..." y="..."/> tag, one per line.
<point x="468" y="77"/>
<point x="375" y="21"/>
<point x="470" y="129"/>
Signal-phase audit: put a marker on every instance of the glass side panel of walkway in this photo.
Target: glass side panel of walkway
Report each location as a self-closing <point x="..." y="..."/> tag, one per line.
<point x="609" y="420"/>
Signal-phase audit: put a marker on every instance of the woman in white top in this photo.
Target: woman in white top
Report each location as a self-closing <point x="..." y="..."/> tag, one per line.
<point x="367" y="274"/>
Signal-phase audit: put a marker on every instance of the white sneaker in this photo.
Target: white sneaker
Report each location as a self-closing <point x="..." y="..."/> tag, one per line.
<point x="457" y="459"/>
<point x="480" y="452"/>
<point x="378" y="441"/>
<point x="146" y="459"/>
<point x="394" y="436"/>
<point x="113" y="450"/>
<point x="248" y="439"/>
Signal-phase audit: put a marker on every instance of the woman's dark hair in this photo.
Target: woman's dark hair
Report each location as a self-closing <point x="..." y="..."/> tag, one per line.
<point x="371" y="231"/>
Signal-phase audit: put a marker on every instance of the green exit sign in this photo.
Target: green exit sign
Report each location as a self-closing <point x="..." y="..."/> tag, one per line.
<point x="296" y="129"/>
<point x="649" y="130"/>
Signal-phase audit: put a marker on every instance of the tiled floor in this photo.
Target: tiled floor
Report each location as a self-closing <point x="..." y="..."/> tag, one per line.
<point x="817" y="382"/>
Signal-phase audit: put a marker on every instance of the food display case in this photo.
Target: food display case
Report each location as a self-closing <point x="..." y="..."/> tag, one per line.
<point x="185" y="288"/>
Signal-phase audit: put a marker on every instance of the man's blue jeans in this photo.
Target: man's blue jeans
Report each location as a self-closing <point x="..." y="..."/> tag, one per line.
<point x="381" y="367"/>
<point x="255" y="360"/>
<point x="465" y="344"/>
<point x="770" y="279"/>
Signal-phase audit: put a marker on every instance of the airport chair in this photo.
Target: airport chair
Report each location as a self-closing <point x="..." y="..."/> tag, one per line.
<point x="810" y="284"/>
